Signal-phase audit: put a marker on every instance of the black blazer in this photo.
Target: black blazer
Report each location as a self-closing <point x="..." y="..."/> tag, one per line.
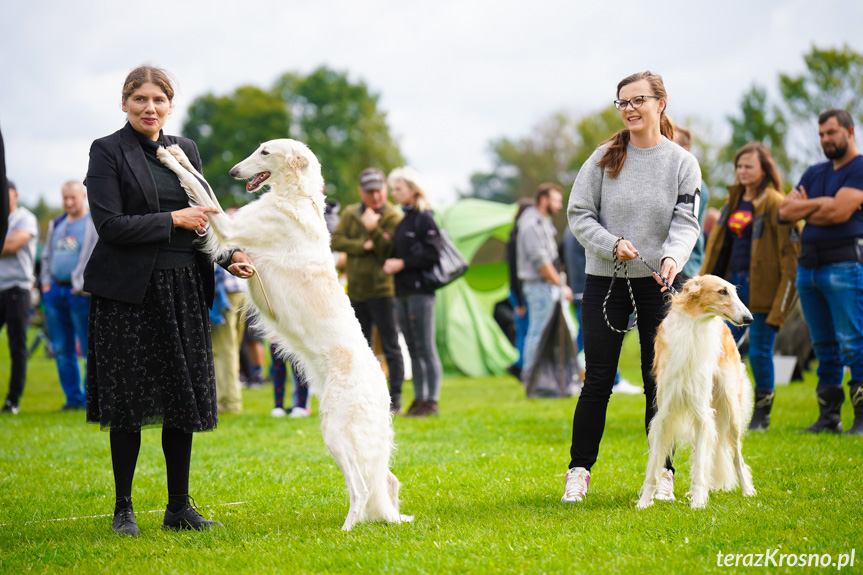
<point x="124" y="205"/>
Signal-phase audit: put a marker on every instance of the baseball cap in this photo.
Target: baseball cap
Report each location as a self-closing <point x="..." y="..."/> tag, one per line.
<point x="372" y="179"/>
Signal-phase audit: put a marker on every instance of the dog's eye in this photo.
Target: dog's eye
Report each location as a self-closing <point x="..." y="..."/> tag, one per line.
<point x="723" y="291"/>
<point x="265" y="153"/>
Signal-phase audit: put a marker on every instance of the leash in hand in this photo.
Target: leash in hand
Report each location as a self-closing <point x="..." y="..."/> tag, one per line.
<point x="617" y="267"/>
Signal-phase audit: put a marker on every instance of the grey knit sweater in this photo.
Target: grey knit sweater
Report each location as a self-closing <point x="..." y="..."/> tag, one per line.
<point x="641" y="205"/>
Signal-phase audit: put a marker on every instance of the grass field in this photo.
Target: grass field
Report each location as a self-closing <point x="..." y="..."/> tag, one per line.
<point x="484" y="481"/>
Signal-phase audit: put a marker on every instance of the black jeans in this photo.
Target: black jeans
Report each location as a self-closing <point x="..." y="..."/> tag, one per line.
<point x="602" y="353"/>
<point x="381" y="312"/>
<point x="15" y="314"/>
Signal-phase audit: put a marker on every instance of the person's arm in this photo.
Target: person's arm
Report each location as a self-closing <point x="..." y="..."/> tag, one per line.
<point x="788" y="242"/>
<point x="382" y="236"/>
<point x="16" y="240"/>
<point x="837" y="209"/>
<point x="341" y="241"/>
<point x="427" y="249"/>
<point x="47" y="252"/>
<point x="684" y="229"/>
<point x="106" y="205"/>
<point x="583" y="209"/>
<point x="798" y="206"/>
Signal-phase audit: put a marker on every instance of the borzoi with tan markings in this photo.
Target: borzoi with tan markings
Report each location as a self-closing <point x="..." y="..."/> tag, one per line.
<point x="703" y="393"/>
<point x="305" y="310"/>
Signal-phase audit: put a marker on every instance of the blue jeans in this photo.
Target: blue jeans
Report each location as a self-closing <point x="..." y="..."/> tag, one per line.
<point x="832" y="299"/>
<point x="521" y="324"/>
<point x="540" y="297"/>
<point x="762" y="336"/>
<point x="416" y="315"/>
<point x="67" y="314"/>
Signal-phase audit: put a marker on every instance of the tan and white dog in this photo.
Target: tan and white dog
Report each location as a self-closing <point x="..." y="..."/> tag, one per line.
<point x="306" y="311"/>
<point x="703" y="392"/>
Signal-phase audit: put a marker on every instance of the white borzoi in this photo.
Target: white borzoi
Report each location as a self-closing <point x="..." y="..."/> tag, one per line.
<point x="702" y="391"/>
<point x="305" y="310"/>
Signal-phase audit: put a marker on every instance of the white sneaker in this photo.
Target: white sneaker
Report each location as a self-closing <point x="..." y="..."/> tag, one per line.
<point x="299" y="412"/>
<point x="577" y="482"/>
<point x="278" y="412"/>
<point x="625" y="387"/>
<point x="665" y="486"/>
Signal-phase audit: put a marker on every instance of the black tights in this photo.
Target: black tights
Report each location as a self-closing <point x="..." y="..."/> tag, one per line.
<point x="602" y="352"/>
<point x="177" y="446"/>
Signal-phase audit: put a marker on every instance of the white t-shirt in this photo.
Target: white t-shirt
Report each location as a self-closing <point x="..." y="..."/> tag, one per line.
<point x="16" y="270"/>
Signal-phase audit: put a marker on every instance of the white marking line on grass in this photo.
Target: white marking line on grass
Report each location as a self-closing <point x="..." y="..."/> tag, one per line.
<point x="111" y="515"/>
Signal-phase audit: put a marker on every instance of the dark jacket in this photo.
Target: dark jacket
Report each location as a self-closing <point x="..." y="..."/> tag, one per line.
<point x="417" y="242"/>
<point x="366" y="278"/>
<point x="775" y="247"/>
<point x="124" y="204"/>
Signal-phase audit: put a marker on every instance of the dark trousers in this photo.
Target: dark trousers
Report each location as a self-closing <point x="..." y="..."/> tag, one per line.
<point x="15" y="314"/>
<point x="381" y="312"/>
<point x="602" y="353"/>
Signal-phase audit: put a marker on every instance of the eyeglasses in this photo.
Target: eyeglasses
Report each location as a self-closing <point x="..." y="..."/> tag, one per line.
<point x="636" y="102"/>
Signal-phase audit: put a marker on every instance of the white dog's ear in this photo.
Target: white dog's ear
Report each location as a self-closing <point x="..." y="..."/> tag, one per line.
<point x="298" y="162"/>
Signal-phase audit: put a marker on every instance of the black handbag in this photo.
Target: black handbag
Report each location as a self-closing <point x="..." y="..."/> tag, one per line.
<point x="449" y="268"/>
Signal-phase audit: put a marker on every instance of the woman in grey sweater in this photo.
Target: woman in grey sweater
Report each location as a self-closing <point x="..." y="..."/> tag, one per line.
<point x="635" y="197"/>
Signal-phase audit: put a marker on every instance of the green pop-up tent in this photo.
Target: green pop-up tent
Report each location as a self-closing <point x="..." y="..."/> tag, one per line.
<point x="469" y="340"/>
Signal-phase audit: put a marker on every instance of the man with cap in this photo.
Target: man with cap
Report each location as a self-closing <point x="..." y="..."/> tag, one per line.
<point x="364" y="233"/>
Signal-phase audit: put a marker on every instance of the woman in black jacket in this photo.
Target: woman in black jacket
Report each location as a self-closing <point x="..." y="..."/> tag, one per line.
<point x="416" y="247"/>
<point x="150" y="359"/>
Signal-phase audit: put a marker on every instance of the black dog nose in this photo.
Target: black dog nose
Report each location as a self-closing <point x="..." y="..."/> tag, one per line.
<point x="747" y="319"/>
<point x="233" y="172"/>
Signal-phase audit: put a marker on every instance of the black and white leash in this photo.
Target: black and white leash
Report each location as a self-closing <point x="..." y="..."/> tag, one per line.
<point x="617" y="267"/>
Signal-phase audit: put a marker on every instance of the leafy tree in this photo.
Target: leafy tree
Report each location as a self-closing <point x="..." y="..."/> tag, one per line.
<point x="758" y="122"/>
<point x="229" y="128"/>
<point x="832" y="79"/>
<point x="554" y="151"/>
<point x="339" y="120"/>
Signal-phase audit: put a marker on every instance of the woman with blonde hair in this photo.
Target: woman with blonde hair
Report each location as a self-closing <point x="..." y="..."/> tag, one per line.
<point x="752" y="249"/>
<point x="416" y="247"/>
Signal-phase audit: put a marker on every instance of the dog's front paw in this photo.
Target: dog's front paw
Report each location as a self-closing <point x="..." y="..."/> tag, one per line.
<point x="699" y="499"/>
<point x="749" y="492"/>
<point x="644" y="502"/>
<point x="406" y="518"/>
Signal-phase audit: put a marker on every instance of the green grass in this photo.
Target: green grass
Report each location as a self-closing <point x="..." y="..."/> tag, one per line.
<point x="484" y="481"/>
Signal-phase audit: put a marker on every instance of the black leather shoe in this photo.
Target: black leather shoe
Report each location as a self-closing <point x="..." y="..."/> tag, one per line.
<point x="124" y="522"/>
<point x="187" y="518"/>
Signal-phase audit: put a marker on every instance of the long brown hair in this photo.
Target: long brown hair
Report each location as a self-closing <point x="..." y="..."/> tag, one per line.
<point x="615" y="155"/>
<point x="768" y="166"/>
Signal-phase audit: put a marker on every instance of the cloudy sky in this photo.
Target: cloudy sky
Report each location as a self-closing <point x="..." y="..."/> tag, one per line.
<point x="452" y="75"/>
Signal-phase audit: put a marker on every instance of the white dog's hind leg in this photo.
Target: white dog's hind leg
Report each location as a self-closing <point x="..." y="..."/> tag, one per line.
<point x="393" y="488"/>
<point x="358" y="492"/>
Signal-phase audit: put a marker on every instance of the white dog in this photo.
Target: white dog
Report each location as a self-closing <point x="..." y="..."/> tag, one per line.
<point x="703" y="393"/>
<point x="305" y="310"/>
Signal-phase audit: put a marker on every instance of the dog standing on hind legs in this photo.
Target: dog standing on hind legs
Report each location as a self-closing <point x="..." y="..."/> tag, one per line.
<point x="703" y="392"/>
<point x="305" y="310"/>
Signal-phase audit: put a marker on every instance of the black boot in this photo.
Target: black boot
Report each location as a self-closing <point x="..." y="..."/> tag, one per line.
<point x="395" y="403"/>
<point x="763" y="405"/>
<point x="124" y="518"/>
<point x="830" y="401"/>
<point x="857" y="402"/>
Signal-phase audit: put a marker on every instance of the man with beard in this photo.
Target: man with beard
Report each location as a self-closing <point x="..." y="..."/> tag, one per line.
<point x="830" y="267"/>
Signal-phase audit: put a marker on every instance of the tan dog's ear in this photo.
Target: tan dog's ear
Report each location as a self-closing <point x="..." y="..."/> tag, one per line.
<point x="298" y="162"/>
<point x="693" y="285"/>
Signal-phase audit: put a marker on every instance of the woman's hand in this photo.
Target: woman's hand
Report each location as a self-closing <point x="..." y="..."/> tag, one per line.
<point x="393" y="266"/>
<point x="668" y="271"/>
<point x="241" y="265"/>
<point x="194" y="218"/>
<point x="626" y="251"/>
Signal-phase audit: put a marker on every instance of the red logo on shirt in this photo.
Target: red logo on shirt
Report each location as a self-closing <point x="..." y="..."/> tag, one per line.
<point x="739" y="220"/>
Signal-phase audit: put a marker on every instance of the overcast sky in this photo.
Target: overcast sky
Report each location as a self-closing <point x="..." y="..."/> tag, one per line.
<point x="451" y="75"/>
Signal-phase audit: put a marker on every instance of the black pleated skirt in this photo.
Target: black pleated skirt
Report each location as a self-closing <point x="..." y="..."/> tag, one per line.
<point x="152" y="364"/>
